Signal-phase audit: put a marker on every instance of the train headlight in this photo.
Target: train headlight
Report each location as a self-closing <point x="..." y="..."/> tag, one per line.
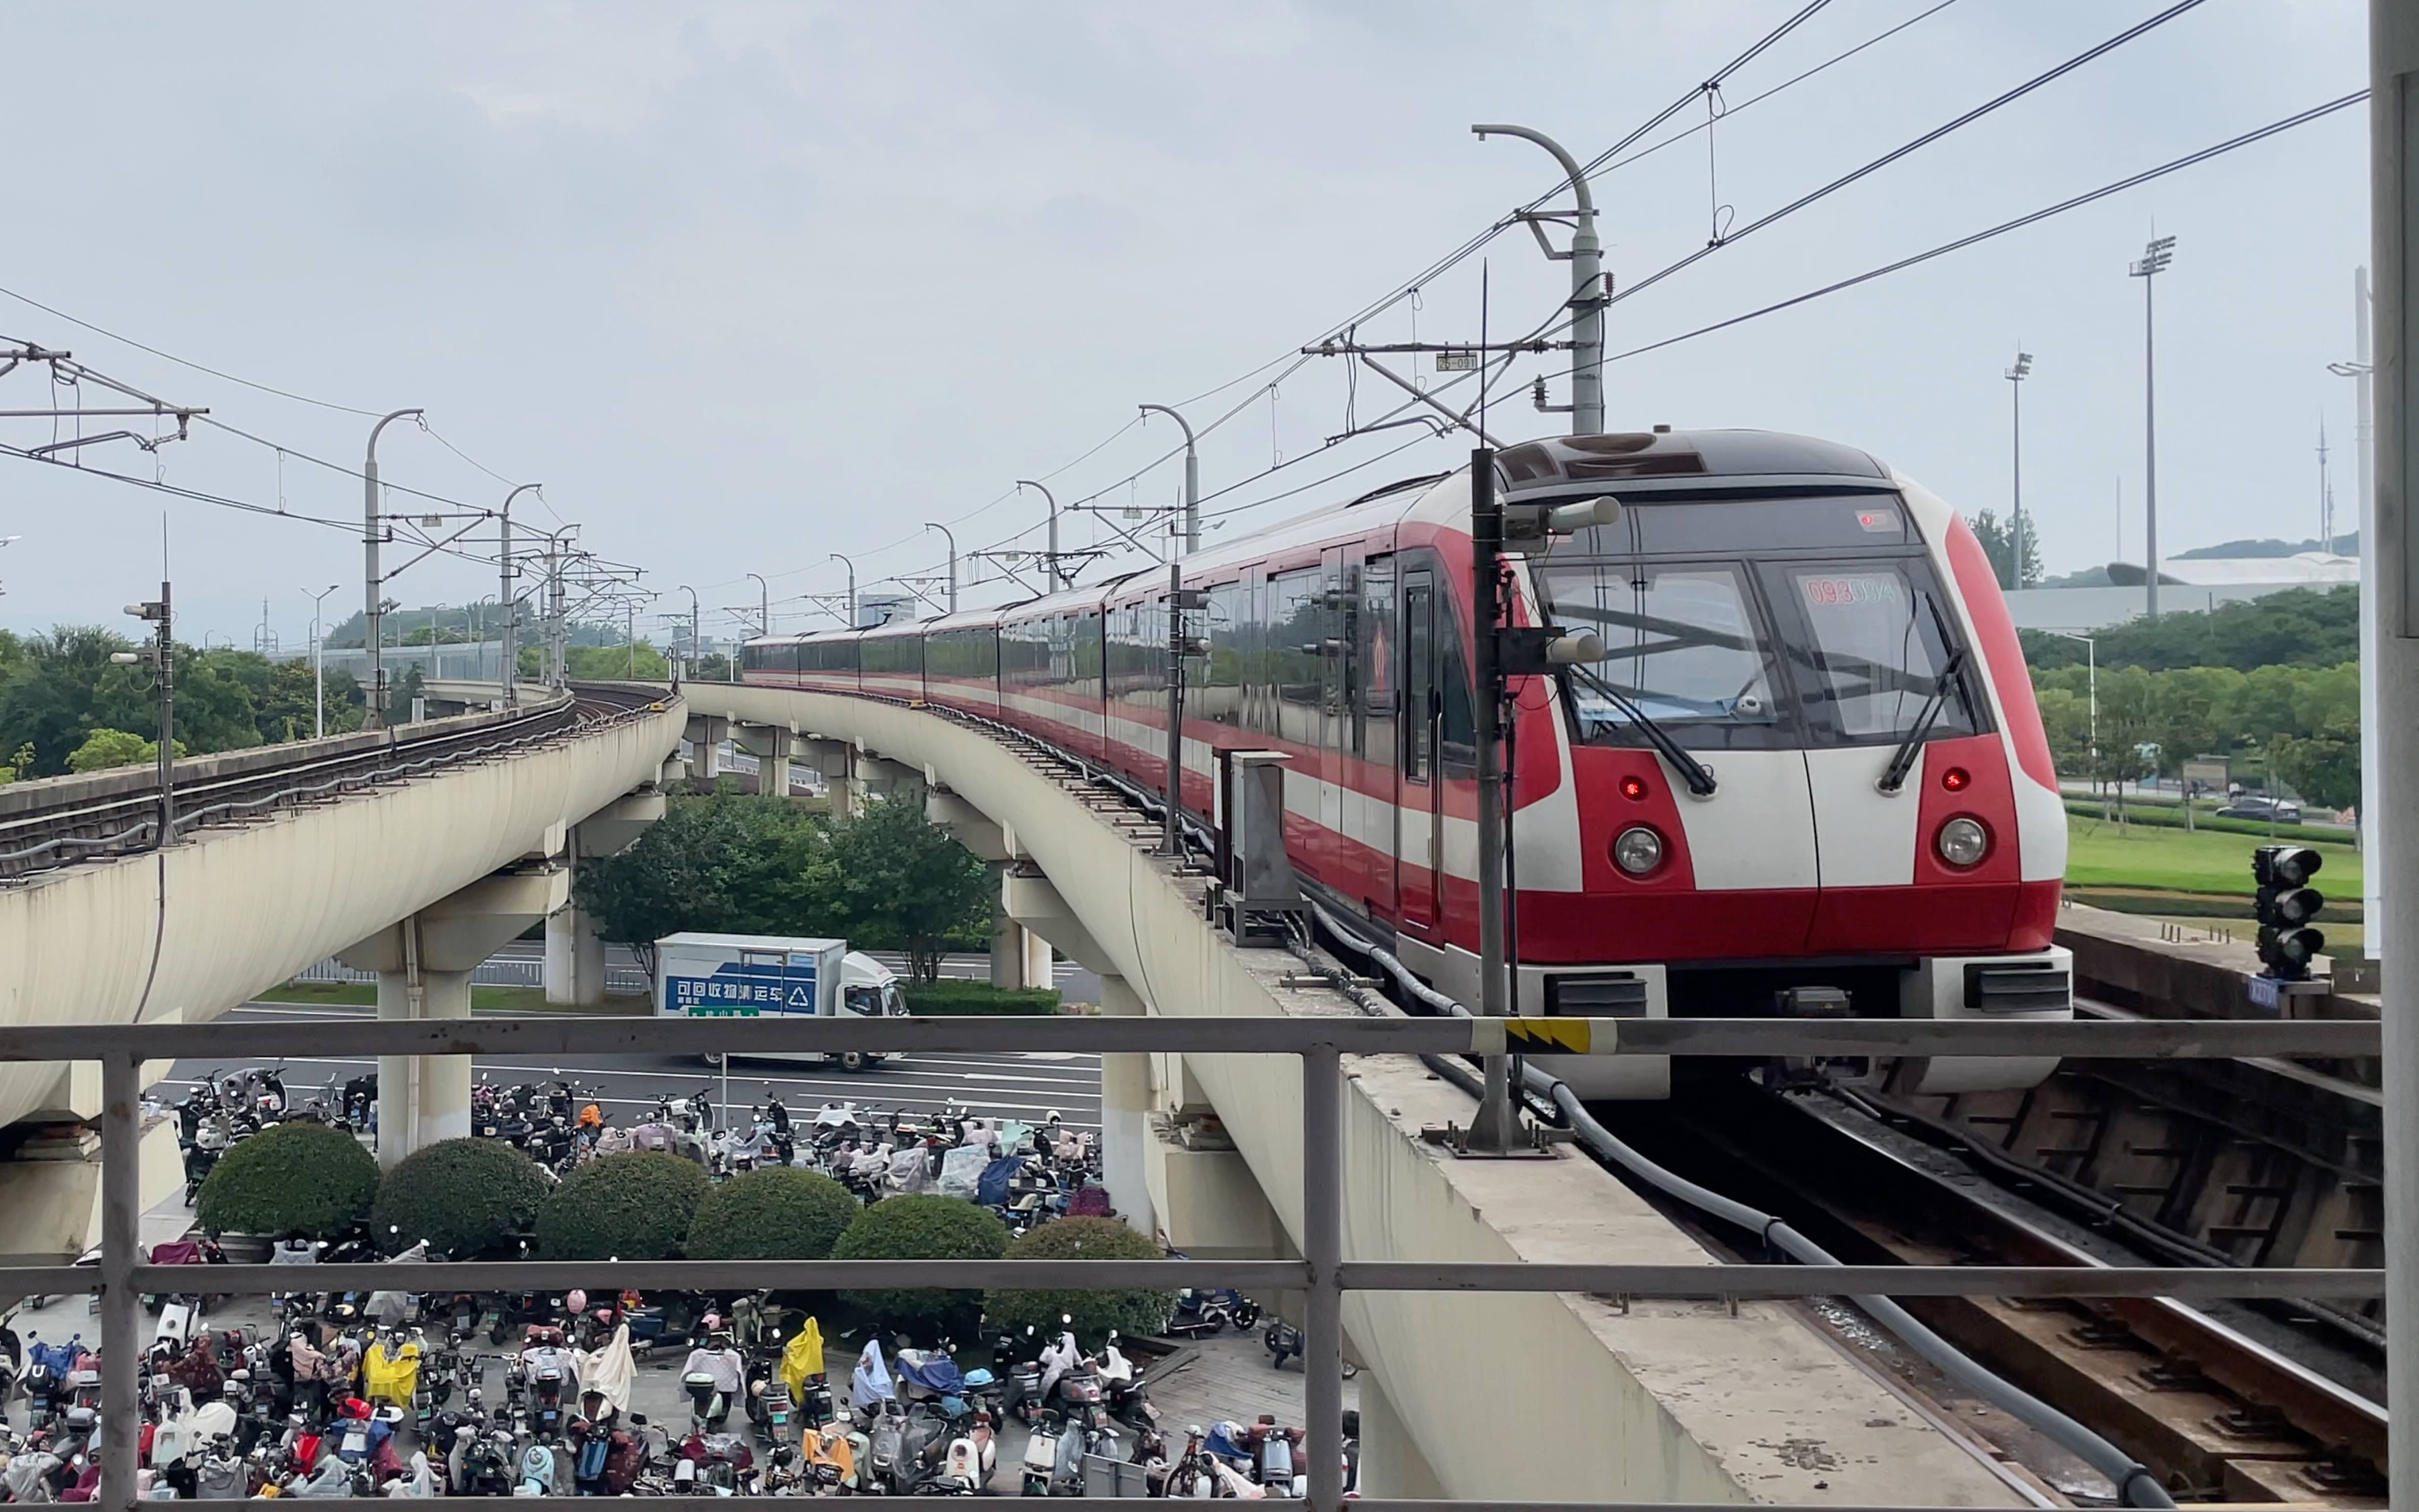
<point x="1963" y="842"/>
<point x="1638" y="851"/>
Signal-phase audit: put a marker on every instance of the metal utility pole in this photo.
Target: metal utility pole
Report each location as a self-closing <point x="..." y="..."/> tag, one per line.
<point x="510" y="653"/>
<point x="2016" y="376"/>
<point x="695" y="655"/>
<point x="1586" y="257"/>
<point x="2363" y="440"/>
<point x="2155" y="258"/>
<point x="765" y="609"/>
<point x="1056" y="582"/>
<point x="852" y="588"/>
<point x="1192" y="479"/>
<point x="1171" y="830"/>
<point x="373" y="582"/>
<point x="1496" y="1126"/>
<point x="318" y="672"/>
<point x="951" y="538"/>
<point x="2394" y="181"/>
<point x="163" y="657"/>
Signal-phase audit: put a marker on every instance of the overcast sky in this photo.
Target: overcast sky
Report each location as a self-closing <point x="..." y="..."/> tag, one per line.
<point x="746" y="285"/>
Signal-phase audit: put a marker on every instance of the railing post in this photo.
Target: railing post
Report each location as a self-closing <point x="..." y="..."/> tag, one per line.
<point x="121" y="1237"/>
<point x="1322" y="1247"/>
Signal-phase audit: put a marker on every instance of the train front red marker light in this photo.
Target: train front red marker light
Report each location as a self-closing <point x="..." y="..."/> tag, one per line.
<point x="1634" y="788"/>
<point x="1956" y="780"/>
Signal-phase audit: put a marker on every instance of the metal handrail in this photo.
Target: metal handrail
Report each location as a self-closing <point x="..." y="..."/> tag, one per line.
<point x="1323" y="1273"/>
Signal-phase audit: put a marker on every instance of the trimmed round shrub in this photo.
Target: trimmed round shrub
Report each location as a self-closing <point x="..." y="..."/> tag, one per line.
<point x="1094" y="1312"/>
<point x="778" y="1213"/>
<point x="463" y="1195"/>
<point x="634" y="1206"/>
<point x="920" y="1226"/>
<point x="301" y="1179"/>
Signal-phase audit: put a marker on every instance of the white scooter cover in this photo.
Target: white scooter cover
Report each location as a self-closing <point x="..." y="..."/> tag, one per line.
<point x="418" y="1480"/>
<point x="1056" y="1361"/>
<point x="610" y="1369"/>
<point x="869" y="1385"/>
<point x="961" y="1168"/>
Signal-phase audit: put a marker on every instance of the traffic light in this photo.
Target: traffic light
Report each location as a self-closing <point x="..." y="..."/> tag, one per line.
<point x="2286" y="904"/>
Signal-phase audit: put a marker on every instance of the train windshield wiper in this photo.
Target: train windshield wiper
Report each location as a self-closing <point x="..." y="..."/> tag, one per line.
<point x="1952" y="674"/>
<point x="1699" y="776"/>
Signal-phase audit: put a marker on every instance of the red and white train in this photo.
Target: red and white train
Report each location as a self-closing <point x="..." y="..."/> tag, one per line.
<point x="1704" y="823"/>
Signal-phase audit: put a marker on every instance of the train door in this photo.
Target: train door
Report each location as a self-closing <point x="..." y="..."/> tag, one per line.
<point x="1419" y="839"/>
<point x="1336" y="866"/>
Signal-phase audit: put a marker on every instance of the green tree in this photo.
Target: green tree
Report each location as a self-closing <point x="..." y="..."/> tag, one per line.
<point x="49" y="701"/>
<point x="2304" y="627"/>
<point x="777" y="1212"/>
<point x="607" y="663"/>
<point x="464" y="1196"/>
<point x="726" y="861"/>
<point x="312" y="1179"/>
<point x="408" y="689"/>
<point x="1092" y="1313"/>
<point x="2323" y="767"/>
<point x="920" y="1226"/>
<point x="634" y="1206"/>
<point x="1999" y="547"/>
<point x="106" y="748"/>
<point x="904" y="884"/>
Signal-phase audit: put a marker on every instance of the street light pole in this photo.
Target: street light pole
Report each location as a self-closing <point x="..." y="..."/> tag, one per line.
<point x="2362" y="371"/>
<point x="2155" y="258"/>
<point x="319" y="673"/>
<point x="852" y="588"/>
<point x="950" y="537"/>
<point x="1055" y="581"/>
<point x="1191" y="481"/>
<point x="1586" y="258"/>
<point x="2016" y="376"/>
<point x="373" y="585"/>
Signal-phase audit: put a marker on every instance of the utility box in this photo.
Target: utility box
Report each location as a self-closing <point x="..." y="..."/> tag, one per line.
<point x="746" y="976"/>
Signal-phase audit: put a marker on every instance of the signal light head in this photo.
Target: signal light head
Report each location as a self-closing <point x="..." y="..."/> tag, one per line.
<point x="1956" y="780"/>
<point x="1634" y="788"/>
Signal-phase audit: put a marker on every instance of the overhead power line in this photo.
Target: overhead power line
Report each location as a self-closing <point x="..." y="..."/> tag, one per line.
<point x="1920" y="143"/>
<point x="170" y="357"/>
<point x="2103" y="191"/>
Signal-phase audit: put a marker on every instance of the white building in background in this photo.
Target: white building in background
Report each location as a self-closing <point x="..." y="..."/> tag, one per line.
<point x="2185" y="583"/>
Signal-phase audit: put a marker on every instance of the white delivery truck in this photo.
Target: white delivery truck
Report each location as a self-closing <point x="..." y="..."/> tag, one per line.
<point x="702" y="976"/>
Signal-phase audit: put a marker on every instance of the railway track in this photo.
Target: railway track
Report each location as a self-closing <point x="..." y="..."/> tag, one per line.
<point x="64" y="821"/>
<point x="2222" y="1404"/>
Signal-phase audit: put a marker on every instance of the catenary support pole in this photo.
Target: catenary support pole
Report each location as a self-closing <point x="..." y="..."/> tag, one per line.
<point x="121" y="1236"/>
<point x="1191" y="522"/>
<point x="1586" y="257"/>
<point x="2393" y="168"/>
<point x="508" y="670"/>
<point x="373" y="582"/>
<point x="1323" y="1248"/>
<point x="2372" y="772"/>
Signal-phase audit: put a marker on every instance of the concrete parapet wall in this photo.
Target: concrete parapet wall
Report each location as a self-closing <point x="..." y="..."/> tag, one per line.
<point x="1538" y="1396"/>
<point x="205" y="924"/>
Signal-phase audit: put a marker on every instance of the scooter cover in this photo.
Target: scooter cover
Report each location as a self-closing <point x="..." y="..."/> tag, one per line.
<point x="991" y="1187"/>
<point x="801" y="1357"/>
<point x="935" y="1372"/>
<point x="962" y="1170"/>
<point x="610" y="1370"/>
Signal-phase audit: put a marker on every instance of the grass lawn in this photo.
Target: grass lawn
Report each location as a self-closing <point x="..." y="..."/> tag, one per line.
<point x="483" y="999"/>
<point x="2103" y="854"/>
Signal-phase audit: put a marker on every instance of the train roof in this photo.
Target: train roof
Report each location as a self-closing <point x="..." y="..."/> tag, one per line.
<point x="1560" y="461"/>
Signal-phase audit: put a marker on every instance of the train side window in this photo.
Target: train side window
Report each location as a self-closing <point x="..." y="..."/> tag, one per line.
<point x="1374" y="654"/>
<point x="1419" y="666"/>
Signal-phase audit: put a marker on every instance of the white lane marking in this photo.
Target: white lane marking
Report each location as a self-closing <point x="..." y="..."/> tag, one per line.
<point x="866" y="1090"/>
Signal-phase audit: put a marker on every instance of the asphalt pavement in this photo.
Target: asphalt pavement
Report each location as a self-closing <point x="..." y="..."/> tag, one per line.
<point x="1027" y="1085"/>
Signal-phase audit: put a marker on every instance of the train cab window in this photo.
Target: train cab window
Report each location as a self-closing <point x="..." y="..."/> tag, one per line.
<point x="1458" y="720"/>
<point x="1876" y="647"/>
<point x="1688" y="650"/>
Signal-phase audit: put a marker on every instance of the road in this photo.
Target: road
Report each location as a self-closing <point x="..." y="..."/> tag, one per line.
<point x="1021" y="1085"/>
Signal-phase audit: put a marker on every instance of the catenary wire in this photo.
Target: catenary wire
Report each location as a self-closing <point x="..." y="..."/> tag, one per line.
<point x="2089" y="196"/>
<point x="1853" y="175"/>
<point x="170" y="357"/>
